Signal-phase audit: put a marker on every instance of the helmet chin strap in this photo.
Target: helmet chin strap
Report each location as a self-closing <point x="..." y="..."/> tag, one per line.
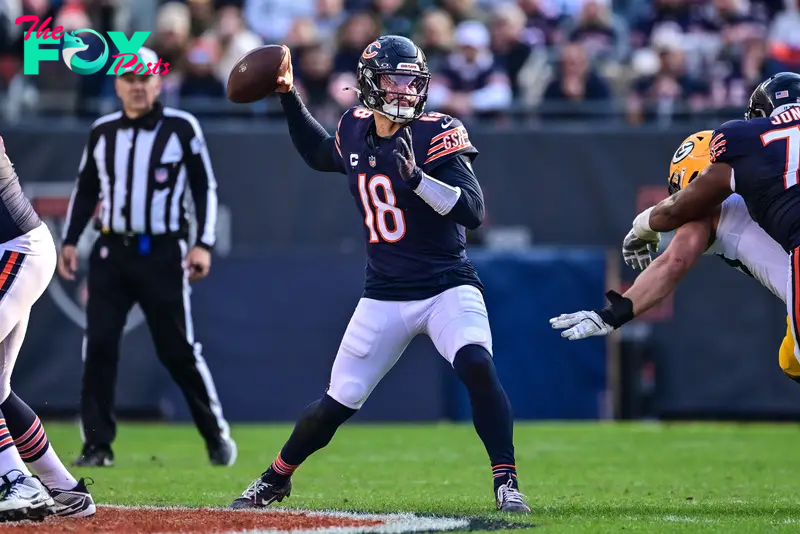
<point x="395" y="118"/>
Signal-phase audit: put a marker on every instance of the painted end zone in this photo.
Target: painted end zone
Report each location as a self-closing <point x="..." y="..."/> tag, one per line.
<point x="152" y="520"/>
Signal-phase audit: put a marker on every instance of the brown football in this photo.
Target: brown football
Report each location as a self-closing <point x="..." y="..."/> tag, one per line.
<point x="255" y="75"/>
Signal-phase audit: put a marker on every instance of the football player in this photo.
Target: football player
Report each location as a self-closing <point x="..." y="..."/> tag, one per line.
<point x="728" y="233"/>
<point x="758" y="158"/>
<point x="411" y="176"/>
<point x="27" y="264"/>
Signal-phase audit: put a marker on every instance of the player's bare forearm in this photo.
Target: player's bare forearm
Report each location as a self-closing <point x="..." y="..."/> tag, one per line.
<point x="696" y="200"/>
<point x="664" y="274"/>
<point x="314" y="144"/>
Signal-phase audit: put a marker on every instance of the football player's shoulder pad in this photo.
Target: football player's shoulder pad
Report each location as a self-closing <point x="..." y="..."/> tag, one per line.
<point x="352" y="115"/>
<point x="727" y="138"/>
<point x="350" y="122"/>
<point x="438" y="138"/>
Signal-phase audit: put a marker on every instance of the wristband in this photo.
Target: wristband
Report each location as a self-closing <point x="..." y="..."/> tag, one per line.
<point x="619" y="312"/>
<point x="641" y="226"/>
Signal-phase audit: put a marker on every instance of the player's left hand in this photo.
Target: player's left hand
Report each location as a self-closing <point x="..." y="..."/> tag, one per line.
<point x="406" y="164"/>
<point x="198" y="261"/>
<point x="581" y="325"/>
<point x="637" y="252"/>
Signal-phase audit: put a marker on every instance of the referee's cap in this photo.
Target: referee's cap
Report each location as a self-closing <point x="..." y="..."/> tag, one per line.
<point x="146" y="56"/>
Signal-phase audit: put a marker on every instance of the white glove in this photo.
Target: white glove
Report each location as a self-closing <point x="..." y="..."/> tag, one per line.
<point x="637" y="252"/>
<point x="581" y="325"/>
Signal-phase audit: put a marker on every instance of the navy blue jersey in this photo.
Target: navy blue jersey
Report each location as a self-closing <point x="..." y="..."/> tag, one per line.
<point x="765" y="156"/>
<point x="413" y="253"/>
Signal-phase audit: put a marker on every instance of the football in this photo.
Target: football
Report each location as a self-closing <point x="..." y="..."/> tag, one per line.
<point x="253" y="77"/>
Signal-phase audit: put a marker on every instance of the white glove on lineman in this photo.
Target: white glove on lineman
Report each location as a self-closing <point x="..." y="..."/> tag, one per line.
<point x="641" y="242"/>
<point x="581" y="325"/>
<point x="637" y="252"/>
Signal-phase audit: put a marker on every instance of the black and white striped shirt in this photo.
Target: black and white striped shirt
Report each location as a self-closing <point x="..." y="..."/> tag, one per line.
<point x="140" y="169"/>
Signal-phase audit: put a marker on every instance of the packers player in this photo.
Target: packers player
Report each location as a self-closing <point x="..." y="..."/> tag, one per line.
<point x="728" y="233"/>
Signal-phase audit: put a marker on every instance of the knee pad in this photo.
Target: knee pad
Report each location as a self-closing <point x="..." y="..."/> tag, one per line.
<point x="349" y="392"/>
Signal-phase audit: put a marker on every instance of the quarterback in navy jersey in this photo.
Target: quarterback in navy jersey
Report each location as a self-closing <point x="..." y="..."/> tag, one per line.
<point x="415" y="249"/>
<point x="411" y="176"/>
<point x="758" y="158"/>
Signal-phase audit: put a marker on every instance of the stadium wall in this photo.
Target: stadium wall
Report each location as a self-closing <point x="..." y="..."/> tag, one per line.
<point x="290" y="262"/>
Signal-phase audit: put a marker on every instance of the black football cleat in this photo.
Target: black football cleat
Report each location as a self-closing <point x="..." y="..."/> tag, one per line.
<point x="509" y="499"/>
<point x="261" y="494"/>
<point x="95" y="456"/>
<point x="75" y="502"/>
<point x="223" y="453"/>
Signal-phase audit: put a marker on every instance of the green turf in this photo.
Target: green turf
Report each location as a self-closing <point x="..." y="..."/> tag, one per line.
<point x="578" y="477"/>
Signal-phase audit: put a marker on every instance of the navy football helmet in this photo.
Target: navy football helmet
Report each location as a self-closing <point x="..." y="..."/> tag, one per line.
<point x="393" y="78"/>
<point x="777" y="91"/>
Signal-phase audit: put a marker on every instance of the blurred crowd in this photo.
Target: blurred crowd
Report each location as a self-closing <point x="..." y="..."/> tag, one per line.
<point x="639" y="60"/>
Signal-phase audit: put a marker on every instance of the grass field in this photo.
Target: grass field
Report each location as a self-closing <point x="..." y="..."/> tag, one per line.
<point x="578" y="477"/>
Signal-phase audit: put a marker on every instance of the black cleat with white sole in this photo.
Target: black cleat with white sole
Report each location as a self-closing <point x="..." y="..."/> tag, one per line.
<point x="75" y="502"/>
<point x="509" y="499"/>
<point x="261" y="494"/>
<point x="95" y="456"/>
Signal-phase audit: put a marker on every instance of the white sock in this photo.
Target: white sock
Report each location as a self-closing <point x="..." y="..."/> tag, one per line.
<point x="52" y="471"/>
<point x="11" y="464"/>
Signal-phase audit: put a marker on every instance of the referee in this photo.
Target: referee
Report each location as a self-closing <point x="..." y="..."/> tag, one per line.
<point x="139" y="164"/>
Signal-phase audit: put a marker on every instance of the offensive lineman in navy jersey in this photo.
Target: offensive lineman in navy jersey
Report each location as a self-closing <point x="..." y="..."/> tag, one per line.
<point x="27" y="264"/>
<point x="411" y="177"/>
<point x="758" y="158"/>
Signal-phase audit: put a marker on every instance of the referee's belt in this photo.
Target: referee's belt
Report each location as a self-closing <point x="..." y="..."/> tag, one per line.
<point x="132" y="238"/>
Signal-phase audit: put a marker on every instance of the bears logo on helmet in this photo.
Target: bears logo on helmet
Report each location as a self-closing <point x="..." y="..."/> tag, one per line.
<point x="692" y="156"/>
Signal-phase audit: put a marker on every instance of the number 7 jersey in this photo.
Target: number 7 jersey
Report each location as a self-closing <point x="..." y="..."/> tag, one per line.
<point x="765" y="156"/>
<point x="413" y="253"/>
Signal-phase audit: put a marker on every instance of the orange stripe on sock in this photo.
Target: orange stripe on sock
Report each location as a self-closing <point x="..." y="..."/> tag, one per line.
<point x="25" y="447"/>
<point x="30" y="431"/>
<point x="29" y="454"/>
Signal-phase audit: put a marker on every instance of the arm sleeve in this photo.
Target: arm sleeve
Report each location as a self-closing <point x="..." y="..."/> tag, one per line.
<point x="85" y="195"/>
<point x="314" y="144"/>
<point x="457" y="172"/>
<point x="203" y="185"/>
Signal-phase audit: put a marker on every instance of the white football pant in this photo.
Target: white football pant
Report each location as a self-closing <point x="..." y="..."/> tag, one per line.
<point x="379" y="331"/>
<point x="27" y="264"/>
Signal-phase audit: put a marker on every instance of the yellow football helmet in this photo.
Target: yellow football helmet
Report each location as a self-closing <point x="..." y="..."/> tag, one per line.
<point x="689" y="160"/>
